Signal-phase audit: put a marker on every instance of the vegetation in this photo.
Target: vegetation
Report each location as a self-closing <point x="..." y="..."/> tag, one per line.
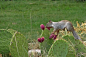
<point x="14" y="43"/>
<point x="65" y="45"/>
<point x="26" y="17"/>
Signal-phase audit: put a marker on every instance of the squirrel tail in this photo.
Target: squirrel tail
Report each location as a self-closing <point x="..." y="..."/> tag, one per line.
<point x="75" y="35"/>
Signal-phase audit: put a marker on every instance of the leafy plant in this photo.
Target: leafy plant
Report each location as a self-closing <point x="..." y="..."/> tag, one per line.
<point x="46" y="44"/>
<point x="19" y="46"/>
<point x="58" y="49"/>
<point x="16" y="44"/>
<point x="66" y="46"/>
<point x="5" y="38"/>
<point x="78" y="45"/>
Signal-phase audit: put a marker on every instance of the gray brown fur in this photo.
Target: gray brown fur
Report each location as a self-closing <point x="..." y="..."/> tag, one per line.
<point x="61" y="25"/>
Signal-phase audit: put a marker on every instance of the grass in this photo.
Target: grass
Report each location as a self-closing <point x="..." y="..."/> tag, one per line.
<point x="26" y="16"/>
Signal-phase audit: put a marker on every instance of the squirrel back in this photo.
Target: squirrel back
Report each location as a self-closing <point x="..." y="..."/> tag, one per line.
<point x="60" y="25"/>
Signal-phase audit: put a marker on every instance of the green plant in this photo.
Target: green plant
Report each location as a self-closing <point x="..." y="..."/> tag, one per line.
<point x="58" y="49"/>
<point x="67" y="46"/>
<point x="76" y="44"/>
<point x="16" y="44"/>
<point x="46" y="44"/>
<point x="11" y="12"/>
<point x="5" y="38"/>
<point x="19" y="45"/>
<point x="71" y="52"/>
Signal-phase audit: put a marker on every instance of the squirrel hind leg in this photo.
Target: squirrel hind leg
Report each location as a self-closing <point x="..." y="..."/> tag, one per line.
<point x="65" y="29"/>
<point x="69" y="28"/>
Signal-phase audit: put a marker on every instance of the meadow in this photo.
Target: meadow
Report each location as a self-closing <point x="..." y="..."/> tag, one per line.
<point x="26" y="16"/>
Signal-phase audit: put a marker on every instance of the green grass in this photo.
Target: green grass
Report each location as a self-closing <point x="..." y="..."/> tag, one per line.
<point x="26" y="16"/>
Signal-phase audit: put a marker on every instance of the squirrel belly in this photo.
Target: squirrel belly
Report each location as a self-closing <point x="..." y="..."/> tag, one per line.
<point x="61" y="25"/>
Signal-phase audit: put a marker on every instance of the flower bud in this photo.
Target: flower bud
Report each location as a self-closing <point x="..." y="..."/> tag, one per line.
<point x="54" y="37"/>
<point x="42" y="39"/>
<point x="42" y="26"/>
<point x="51" y="36"/>
<point x="39" y="40"/>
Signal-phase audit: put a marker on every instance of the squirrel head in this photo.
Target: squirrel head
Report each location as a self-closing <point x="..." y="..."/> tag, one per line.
<point x="49" y="24"/>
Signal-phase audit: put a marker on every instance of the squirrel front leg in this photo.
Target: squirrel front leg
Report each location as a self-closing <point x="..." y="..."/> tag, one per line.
<point x="54" y="31"/>
<point x="57" y="32"/>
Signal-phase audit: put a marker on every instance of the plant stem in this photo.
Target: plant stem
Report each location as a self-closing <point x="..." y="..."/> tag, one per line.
<point x="41" y="33"/>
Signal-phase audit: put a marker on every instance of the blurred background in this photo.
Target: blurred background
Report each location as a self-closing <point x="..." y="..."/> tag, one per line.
<point x="26" y="16"/>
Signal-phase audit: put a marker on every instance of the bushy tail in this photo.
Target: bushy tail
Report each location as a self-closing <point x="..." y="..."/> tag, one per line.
<point x="75" y="35"/>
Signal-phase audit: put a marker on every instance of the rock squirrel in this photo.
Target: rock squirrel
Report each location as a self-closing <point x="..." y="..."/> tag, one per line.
<point x="61" y="25"/>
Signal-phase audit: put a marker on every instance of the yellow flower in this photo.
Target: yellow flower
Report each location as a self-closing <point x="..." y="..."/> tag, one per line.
<point x="78" y="25"/>
<point x="83" y="24"/>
